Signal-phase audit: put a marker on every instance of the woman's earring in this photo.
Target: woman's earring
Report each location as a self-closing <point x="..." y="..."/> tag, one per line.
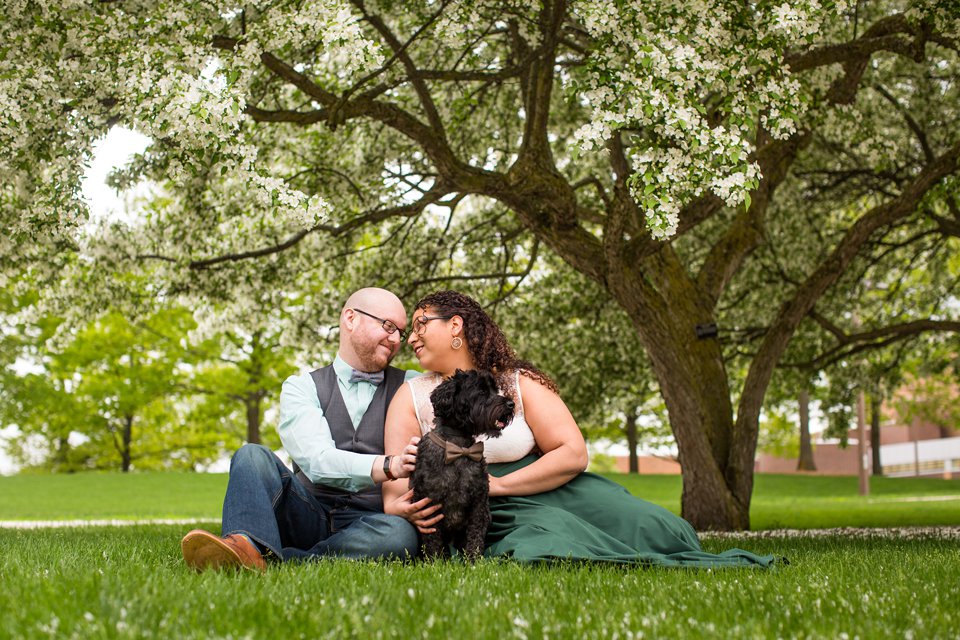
<point x="456" y="343"/>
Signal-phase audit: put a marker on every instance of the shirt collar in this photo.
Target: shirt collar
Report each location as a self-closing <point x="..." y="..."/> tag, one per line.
<point x="342" y="369"/>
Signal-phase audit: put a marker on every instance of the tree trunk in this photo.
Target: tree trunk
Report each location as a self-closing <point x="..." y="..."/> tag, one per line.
<point x="875" y="403"/>
<point x="252" y="403"/>
<point x="914" y="436"/>
<point x="862" y="474"/>
<point x="696" y="391"/>
<point x="703" y="428"/>
<point x="255" y="394"/>
<point x="630" y="426"/>
<point x="127" y="438"/>
<point x="61" y="454"/>
<point x="805" y="461"/>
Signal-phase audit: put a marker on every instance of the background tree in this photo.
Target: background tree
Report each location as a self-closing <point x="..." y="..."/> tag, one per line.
<point x="238" y="381"/>
<point x="104" y="399"/>
<point x="930" y="394"/>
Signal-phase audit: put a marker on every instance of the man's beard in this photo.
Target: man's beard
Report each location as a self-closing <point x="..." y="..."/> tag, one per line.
<point x="371" y="357"/>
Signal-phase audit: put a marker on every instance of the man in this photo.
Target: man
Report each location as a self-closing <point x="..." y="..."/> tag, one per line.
<point x="331" y="424"/>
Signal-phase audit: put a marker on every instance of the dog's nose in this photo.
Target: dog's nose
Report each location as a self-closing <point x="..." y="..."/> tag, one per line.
<point x="510" y="405"/>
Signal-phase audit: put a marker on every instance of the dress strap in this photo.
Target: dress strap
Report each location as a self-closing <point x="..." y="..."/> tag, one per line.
<point x="518" y="410"/>
<point x="420" y="390"/>
<point x="416" y="404"/>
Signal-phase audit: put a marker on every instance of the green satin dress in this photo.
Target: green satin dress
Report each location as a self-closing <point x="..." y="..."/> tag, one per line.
<point x="594" y="519"/>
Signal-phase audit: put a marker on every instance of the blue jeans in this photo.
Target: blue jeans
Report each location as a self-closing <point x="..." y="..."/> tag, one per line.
<point x="266" y="502"/>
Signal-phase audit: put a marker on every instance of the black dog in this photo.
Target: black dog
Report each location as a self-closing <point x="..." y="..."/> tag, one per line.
<point x="450" y="465"/>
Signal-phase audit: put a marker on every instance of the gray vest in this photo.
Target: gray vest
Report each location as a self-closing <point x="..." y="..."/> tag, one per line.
<point x="366" y="438"/>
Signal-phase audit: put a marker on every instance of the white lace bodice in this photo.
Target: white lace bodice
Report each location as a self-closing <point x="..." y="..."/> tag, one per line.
<point x="513" y="443"/>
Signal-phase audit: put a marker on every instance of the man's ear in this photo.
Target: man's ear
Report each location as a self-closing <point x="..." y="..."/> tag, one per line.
<point x="348" y="318"/>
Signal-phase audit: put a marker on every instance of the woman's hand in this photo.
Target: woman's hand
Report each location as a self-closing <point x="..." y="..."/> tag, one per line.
<point x="563" y="451"/>
<point x="420" y="514"/>
<point x="496" y="488"/>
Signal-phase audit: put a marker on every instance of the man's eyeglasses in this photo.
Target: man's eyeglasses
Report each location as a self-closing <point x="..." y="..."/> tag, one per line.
<point x="420" y="322"/>
<point x="388" y="325"/>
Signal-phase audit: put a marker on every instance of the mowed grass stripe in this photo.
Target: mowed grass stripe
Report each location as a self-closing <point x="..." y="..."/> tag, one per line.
<point x="779" y="501"/>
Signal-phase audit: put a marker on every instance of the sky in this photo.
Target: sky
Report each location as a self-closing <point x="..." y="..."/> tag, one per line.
<point x="114" y="150"/>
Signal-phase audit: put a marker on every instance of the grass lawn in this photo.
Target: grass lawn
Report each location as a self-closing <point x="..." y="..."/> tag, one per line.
<point x="779" y="501"/>
<point x="94" y="496"/>
<point x="130" y="582"/>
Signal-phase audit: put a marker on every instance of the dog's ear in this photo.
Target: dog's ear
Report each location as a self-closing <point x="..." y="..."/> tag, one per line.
<point x="487" y="379"/>
<point x="443" y="396"/>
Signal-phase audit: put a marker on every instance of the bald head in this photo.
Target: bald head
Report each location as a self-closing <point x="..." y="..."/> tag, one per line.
<point x="364" y="342"/>
<point x="374" y="298"/>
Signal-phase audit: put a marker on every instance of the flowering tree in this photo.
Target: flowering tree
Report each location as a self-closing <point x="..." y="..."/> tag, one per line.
<point x="644" y="143"/>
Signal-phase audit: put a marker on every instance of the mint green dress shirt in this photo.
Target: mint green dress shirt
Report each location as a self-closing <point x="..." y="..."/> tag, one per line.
<point x="306" y="435"/>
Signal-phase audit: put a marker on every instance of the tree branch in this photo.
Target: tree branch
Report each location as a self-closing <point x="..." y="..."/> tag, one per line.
<point x="400" y="52"/>
<point x="593" y="181"/>
<point x="830" y="327"/>
<point x="885" y="35"/>
<point x="537" y="84"/>
<point x="378" y="215"/>
<point x="911" y="122"/>
<point x="830" y="270"/>
<point x="746" y="231"/>
<point x="947" y="226"/>
<point x="283" y="115"/>
<point x="854" y="343"/>
<point x="623" y="206"/>
<point x="336" y="112"/>
<point x="483" y="276"/>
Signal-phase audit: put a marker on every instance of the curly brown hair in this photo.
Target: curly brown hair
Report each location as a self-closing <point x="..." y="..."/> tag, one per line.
<point x="487" y="345"/>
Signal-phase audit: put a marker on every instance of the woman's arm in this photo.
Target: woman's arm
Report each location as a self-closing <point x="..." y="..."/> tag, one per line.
<point x="400" y="430"/>
<point x="564" y="452"/>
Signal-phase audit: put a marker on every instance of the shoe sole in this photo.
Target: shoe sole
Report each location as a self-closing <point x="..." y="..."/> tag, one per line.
<point x="202" y="551"/>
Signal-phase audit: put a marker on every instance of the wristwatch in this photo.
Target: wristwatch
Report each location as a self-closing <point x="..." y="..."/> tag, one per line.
<point x="386" y="468"/>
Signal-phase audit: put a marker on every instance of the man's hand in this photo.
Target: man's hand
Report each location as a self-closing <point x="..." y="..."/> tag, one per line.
<point x="421" y="514"/>
<point x="401" y="466"/>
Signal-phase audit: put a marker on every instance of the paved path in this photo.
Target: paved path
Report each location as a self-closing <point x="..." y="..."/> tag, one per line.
<point x="63" y="524"/>
<point x="952" y="533"/>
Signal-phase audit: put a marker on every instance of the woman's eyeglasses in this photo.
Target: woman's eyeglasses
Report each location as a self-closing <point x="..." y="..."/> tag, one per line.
<point x="420" y="322"/>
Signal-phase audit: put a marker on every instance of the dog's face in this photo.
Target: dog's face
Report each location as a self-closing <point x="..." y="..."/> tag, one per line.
<point x="470" y="403"/>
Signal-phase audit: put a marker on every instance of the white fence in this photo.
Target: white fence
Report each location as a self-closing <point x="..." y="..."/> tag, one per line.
<point x="925" y="457"/>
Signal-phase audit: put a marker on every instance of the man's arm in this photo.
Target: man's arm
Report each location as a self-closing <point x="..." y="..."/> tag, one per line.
<point x="306" y="436"/>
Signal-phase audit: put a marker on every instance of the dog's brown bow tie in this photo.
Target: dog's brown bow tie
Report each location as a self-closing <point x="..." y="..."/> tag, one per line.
<point x="453" y="451"/>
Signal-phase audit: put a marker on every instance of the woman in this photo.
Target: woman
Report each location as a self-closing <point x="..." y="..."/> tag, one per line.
<point x="542" y="503"/>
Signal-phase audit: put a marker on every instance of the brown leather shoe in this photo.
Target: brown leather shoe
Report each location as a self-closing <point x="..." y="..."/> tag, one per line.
<point x="203" y="550"/>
